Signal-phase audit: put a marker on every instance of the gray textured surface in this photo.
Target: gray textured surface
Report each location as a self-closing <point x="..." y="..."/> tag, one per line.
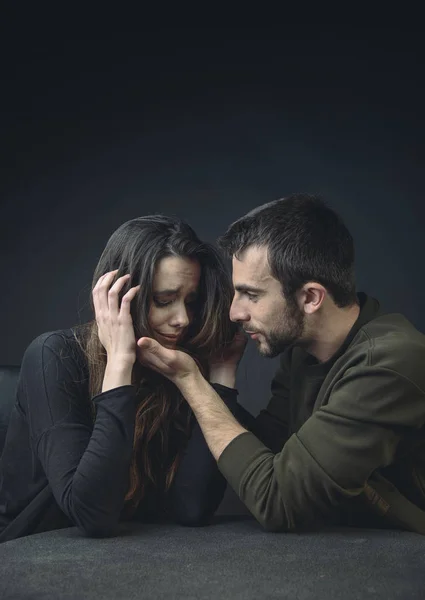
<point x="230" y="559"/>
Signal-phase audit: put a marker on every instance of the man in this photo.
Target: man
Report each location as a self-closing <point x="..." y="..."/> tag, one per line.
<point x="342" y="440"/>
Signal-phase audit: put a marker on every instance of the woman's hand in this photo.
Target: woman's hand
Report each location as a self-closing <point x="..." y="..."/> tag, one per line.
<point x="224" y="364"/>
<point x="115" y="328"/>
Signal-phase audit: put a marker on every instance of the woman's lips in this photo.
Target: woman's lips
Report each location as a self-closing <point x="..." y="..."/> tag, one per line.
<point x="169" y="337"/>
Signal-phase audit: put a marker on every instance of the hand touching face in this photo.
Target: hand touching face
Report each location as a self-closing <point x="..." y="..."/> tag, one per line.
<point x="173" y="364"/>
<point x="114" y="322"/>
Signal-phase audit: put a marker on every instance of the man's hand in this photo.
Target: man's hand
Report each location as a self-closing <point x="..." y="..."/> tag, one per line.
<point x="224" y="364"/>
<point x="173" y="364"/>
<point x="216" y="421"/>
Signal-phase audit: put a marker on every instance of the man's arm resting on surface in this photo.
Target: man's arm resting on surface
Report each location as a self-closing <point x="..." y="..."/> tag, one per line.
<point x="330" y="459"/>
<point x="327" y="462"/>
<point x="218" y="424"/>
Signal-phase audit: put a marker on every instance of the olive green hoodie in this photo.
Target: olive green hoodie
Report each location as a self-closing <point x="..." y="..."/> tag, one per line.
<point x="352" y="434"/>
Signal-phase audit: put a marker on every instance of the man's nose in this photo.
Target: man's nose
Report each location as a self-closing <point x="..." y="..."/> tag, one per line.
<point x="238" y="312"/>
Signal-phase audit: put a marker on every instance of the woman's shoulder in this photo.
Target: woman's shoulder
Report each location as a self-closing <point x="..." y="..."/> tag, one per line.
<point x="58" y="340"/>
<point x="64" y="344"/>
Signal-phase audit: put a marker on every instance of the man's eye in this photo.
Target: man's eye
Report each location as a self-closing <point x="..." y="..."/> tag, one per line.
<point x="252" y="297"/>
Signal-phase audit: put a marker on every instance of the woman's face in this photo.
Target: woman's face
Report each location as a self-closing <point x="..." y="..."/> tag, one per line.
<point x="174" y="295"/>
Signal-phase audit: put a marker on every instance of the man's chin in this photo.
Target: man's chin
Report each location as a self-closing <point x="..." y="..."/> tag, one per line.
<point x="272" y="350"/>
<point x="267" y="353"/>
<point x="264" y="349"/>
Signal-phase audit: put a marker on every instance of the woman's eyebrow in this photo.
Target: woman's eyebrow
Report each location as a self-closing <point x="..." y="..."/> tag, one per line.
<point x="166" y="292"/>
<point x="171" y="292"/>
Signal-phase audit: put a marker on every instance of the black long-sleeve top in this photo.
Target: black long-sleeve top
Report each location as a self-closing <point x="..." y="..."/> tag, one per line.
<point x="60" y="467"/>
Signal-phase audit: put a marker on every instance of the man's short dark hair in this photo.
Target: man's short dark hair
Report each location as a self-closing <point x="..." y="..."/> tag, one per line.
<point x="305" y="240"/>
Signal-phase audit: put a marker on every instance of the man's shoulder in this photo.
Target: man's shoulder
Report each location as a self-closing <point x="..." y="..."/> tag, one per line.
<point x="390" y="324"/>
<point x="392" y="333"/>
<point x="391" y="341"/>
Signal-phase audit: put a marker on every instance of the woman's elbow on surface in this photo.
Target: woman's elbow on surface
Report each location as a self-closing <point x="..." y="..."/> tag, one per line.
<point x="91" y="519"/>
<point x="98" y="530"/>
<point x="96" y="525"/>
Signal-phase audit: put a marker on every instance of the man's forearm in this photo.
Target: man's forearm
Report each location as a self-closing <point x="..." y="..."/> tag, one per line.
<point x="218" y="424"/>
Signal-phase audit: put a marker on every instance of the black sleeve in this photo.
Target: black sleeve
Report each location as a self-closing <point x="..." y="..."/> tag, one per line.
<point x="86" y="465"/>
<point x="272" y="425"/>
<point x="198" y="486"/>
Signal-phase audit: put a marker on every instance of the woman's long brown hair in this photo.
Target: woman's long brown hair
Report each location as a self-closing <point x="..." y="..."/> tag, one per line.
<point x="163" y="418"/>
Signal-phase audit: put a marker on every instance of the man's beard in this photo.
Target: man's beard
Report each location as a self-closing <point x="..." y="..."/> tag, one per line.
<point x="289" y="332"/>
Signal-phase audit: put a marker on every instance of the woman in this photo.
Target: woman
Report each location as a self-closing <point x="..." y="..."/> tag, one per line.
<point x="95" y="437"/>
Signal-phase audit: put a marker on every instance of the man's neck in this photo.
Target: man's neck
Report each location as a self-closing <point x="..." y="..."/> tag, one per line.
<point x="332" y="331"/>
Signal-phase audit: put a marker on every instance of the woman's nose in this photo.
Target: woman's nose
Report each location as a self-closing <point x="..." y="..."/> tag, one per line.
<point x="181" y="318"/>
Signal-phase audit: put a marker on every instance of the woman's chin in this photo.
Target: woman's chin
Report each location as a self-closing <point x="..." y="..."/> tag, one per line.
<point x="166" y="342"/>
<point x="169" y="344"/>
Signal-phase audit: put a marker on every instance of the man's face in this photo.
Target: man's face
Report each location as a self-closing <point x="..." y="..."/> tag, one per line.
<point x="259" y="305"/>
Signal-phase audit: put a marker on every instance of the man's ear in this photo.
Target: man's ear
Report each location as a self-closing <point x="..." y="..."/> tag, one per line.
<point x="311" y="297"/>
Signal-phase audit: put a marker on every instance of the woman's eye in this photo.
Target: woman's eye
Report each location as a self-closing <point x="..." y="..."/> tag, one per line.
<point x="161" y="303"/>
<point x="252" y="297"/>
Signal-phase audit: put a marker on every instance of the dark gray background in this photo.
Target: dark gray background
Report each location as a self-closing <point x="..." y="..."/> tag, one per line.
<point x="205" y="124"/>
